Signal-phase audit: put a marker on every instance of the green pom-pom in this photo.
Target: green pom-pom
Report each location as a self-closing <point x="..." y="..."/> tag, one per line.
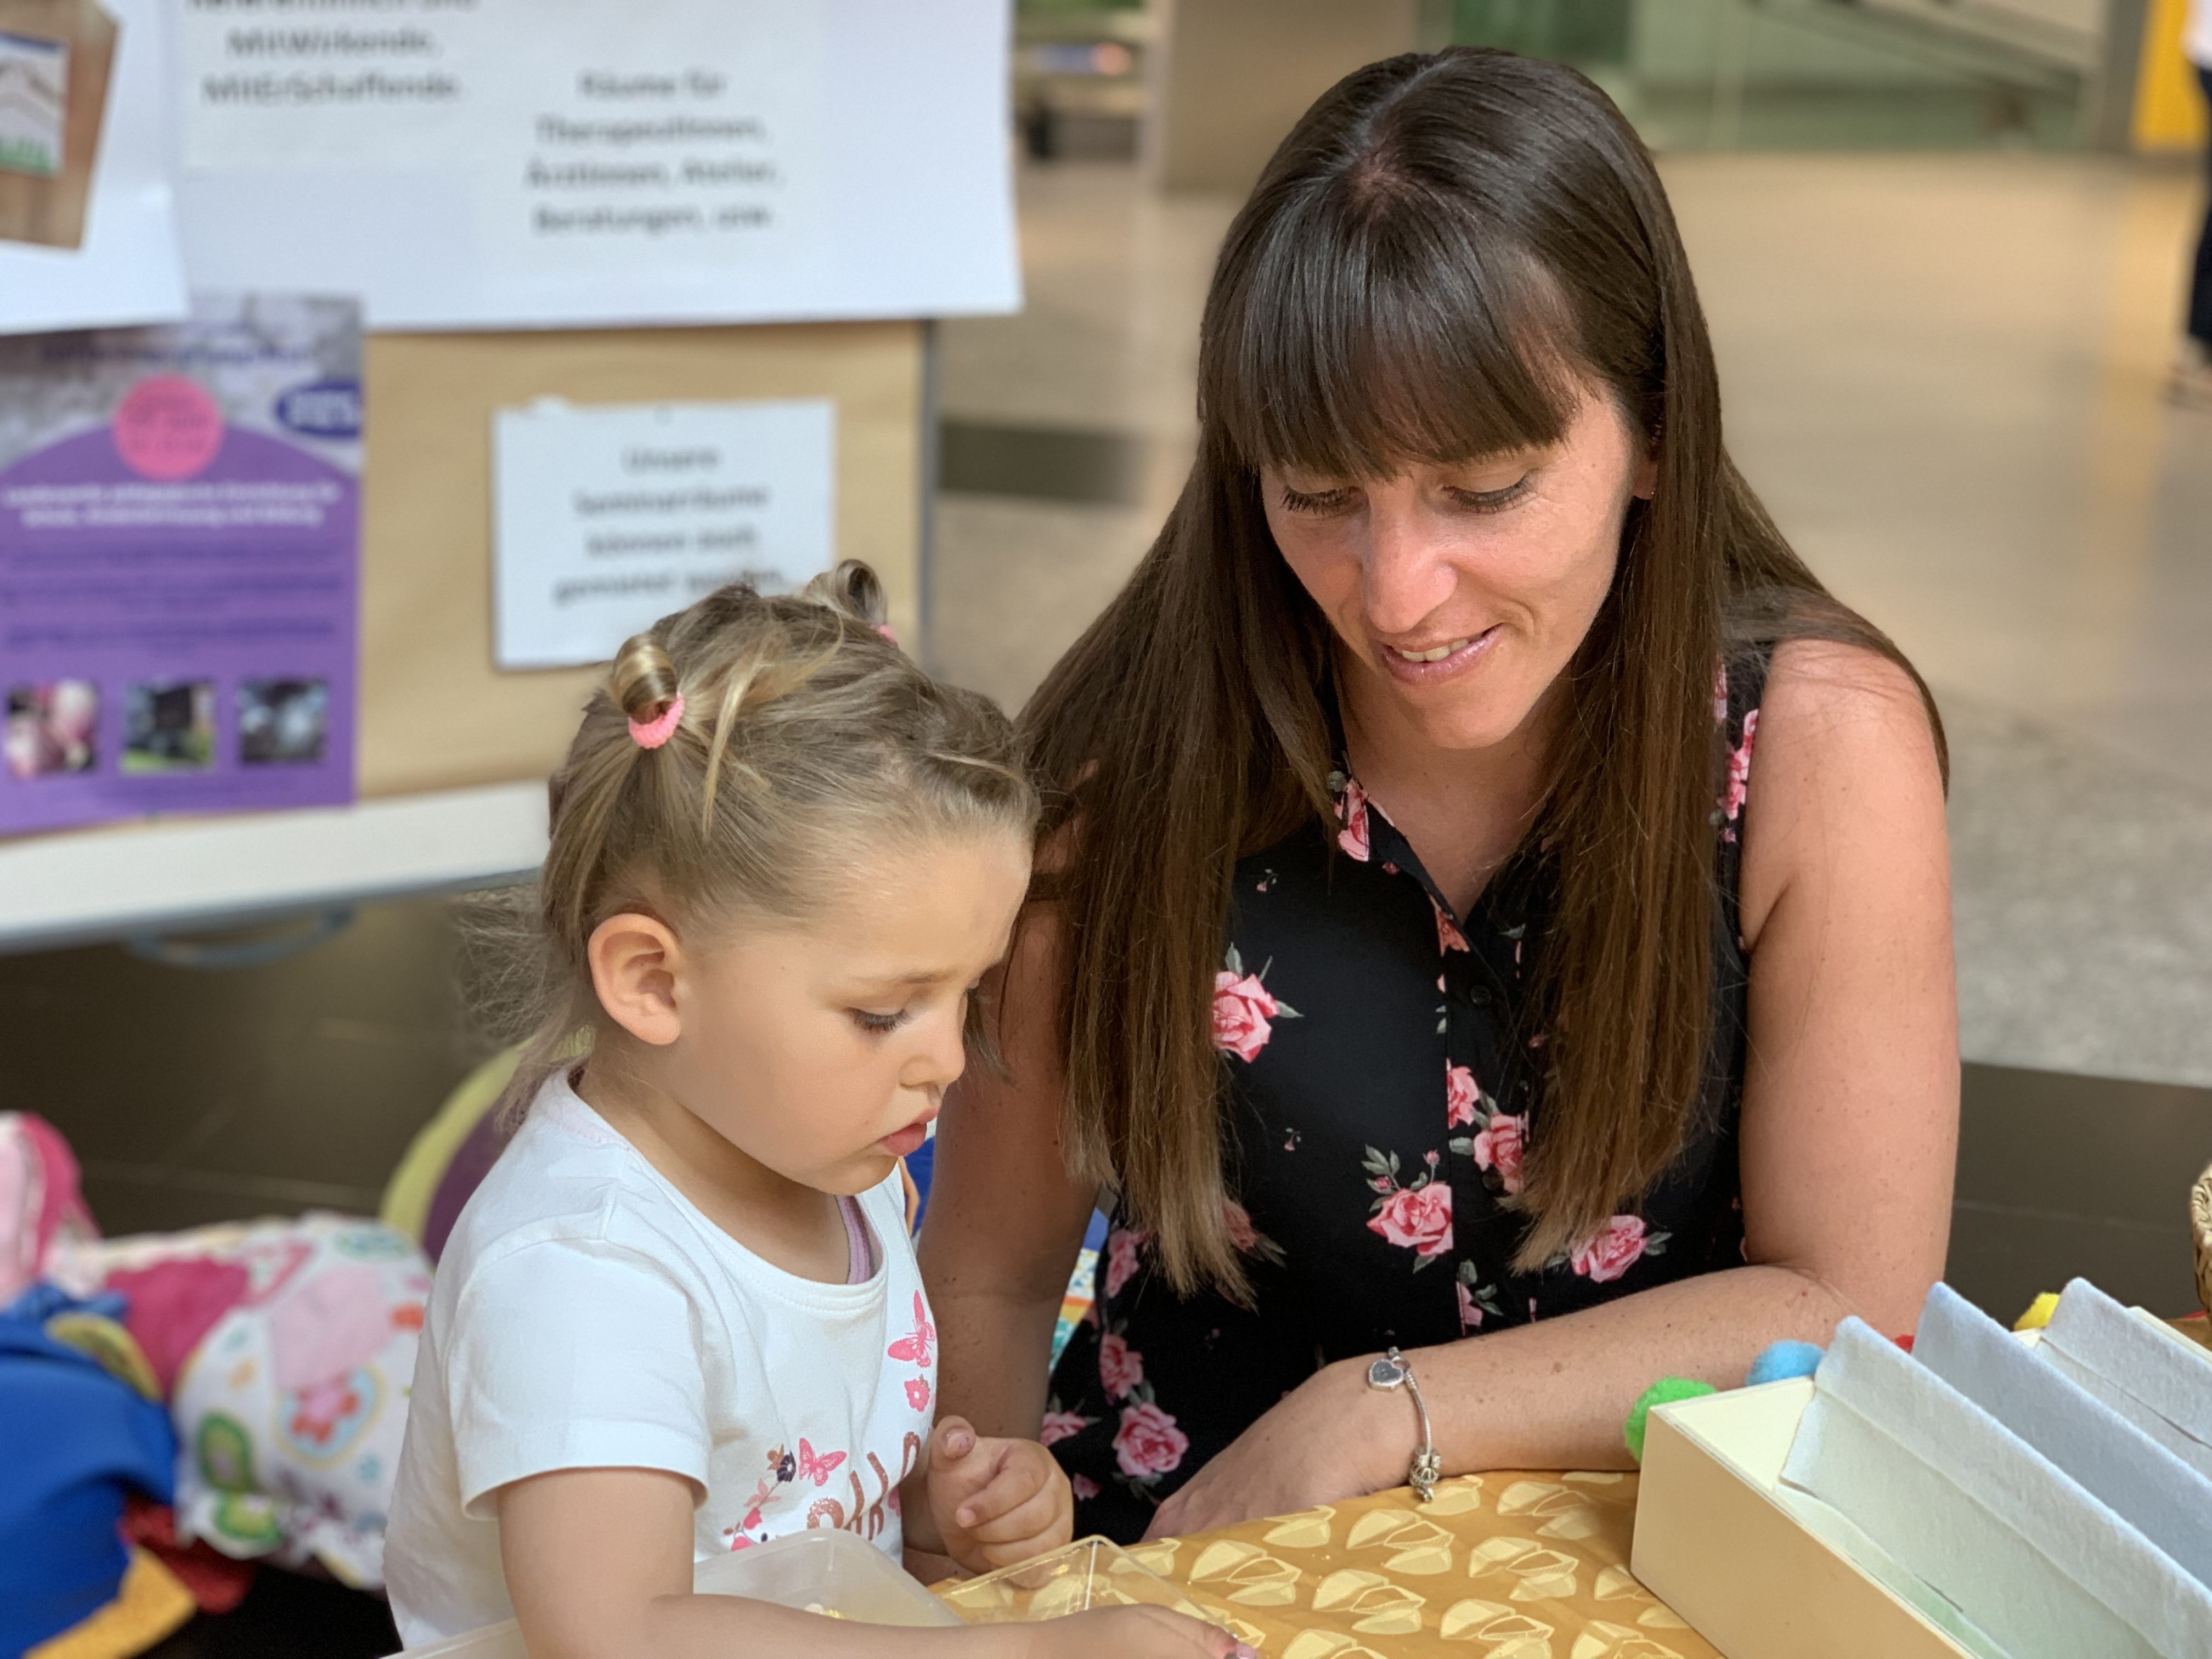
<point x="1659" y="1394"/>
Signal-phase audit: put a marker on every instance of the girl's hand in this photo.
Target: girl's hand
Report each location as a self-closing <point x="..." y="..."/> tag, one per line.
<point x="1330" y="1438"/>
<point x="995" y="1502"/>
<point x="1132" y="1633"/>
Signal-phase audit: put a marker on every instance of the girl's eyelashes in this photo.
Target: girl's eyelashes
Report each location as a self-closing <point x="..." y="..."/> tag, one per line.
<point x="868" y="1020"/>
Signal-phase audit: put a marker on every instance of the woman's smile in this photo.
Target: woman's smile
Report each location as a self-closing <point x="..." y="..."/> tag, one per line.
<point x="1432" y="664"/>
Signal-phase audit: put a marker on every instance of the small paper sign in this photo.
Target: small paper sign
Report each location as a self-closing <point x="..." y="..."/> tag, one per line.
<point x="607" y="518"/>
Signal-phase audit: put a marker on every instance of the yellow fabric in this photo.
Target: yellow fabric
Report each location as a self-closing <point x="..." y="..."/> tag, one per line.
<point x="148" y="1605"/>
<point x="2169" y="110"/>
<point x="414" y="1184"/>
<point x="1500" y="1566"/>
<point x="2039" y="1312"/>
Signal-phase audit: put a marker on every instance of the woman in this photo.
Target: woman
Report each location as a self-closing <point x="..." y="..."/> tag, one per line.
<point x="1495" y="903"/>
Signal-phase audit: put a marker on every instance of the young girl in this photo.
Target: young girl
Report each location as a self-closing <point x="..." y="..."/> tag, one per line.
<point x="682" y="1314"/>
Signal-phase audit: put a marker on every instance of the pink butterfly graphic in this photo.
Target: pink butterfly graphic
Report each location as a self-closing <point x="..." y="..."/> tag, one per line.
<point x="916" y="1349"/>
<point x="818" y="1469"/>
<point x="917" y="1394"/>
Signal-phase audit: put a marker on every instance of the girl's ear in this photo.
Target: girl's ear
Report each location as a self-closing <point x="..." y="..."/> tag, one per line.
<point x="634" y="961"/>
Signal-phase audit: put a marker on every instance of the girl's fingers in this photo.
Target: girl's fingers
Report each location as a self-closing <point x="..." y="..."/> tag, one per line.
<point x="1035" y="1520"/>
<point x="953" y="1440"/>
<point x="1012" y="1483"/>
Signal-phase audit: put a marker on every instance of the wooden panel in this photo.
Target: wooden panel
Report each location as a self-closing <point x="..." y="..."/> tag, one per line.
<point x="435" y="714"/>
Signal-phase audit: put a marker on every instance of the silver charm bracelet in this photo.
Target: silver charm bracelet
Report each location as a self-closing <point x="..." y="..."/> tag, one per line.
<point x="1394" y="1370"/>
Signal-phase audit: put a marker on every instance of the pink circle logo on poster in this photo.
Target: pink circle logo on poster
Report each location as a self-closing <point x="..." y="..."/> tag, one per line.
<point x="167" y="427"/>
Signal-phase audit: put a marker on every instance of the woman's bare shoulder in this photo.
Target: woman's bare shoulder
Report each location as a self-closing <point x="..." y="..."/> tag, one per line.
<point x="1844" y="765"/>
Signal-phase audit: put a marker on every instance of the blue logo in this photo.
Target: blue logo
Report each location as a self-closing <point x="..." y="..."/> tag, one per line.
<point x="322" y="409"/>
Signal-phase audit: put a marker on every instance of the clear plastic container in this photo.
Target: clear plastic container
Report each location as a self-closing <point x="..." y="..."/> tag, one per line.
<point x="825" y="1571"/>
<point x="1092" y="1572"/>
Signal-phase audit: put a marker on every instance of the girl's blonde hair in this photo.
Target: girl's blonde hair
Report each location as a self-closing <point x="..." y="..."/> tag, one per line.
<point x="805" y="741"/>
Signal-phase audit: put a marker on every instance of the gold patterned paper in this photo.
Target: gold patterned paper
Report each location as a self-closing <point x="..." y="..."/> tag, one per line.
<point x="1504" y="1566"/>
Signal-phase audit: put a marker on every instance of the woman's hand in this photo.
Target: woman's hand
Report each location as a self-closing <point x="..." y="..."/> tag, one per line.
<point x="1132" y="1633"/>
<point x="1330" y="1438"/>
<point x="995" y="1502"/>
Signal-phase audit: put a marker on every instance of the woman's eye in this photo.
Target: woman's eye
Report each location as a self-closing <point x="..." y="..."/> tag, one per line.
<point x="1318" y="502"/>
<point x="868" y="1020"/>
<point x="1492" y="500"/>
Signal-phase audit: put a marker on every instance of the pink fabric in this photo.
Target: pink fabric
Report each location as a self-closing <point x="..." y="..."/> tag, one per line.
<point x="334" y="1321"/>
<point x="861" y="1261"/>
<point x="173" y="1304"/>
<point x="39" y="1199"/>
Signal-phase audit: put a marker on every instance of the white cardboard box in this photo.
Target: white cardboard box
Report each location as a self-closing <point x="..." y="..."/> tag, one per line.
<point x="1713" y="1542"/>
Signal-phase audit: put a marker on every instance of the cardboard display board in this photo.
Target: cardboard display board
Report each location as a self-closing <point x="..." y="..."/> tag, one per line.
<point x="435" y="712"/>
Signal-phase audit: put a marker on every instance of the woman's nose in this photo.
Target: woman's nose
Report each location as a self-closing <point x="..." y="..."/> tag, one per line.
<point x="1404" y="575"/>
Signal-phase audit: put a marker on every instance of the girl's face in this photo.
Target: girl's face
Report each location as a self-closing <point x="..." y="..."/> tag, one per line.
<point x="823" y="1051"/>
<point x="1459" y="593"/>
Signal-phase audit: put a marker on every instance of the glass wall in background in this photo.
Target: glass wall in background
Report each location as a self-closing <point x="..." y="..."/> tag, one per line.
<point x="1820" y="74"/>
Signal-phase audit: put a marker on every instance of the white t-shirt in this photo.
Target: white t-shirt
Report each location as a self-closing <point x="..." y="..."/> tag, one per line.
<point x="2196" y="41"/>
<point x="586" y="1315"/>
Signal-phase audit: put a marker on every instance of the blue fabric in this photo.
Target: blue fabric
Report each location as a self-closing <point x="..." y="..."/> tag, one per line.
<point x="73" y="1442"/>
<point x="920" y="1164"/>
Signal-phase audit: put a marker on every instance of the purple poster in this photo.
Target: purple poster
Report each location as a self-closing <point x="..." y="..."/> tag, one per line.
<point x="179" y="529"/>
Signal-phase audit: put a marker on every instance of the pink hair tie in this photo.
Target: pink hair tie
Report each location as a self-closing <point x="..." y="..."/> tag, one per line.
<point x="653" y="734"/>
<point x="885" y="629"/>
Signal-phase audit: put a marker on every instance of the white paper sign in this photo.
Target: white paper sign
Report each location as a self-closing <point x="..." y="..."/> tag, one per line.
<point x="88" y="149"/>
<point x="473" y="163"/>
<point x="608" y="518"/>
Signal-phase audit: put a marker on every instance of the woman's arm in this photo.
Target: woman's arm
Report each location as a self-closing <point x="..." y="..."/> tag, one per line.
<point x="1005" y="1219"/>
<point x="1851" y="1110"/>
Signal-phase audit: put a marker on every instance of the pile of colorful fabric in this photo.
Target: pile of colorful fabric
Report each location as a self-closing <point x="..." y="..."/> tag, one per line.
<point x="178" y="1409"/>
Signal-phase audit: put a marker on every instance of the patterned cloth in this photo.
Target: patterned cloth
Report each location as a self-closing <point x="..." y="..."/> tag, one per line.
<point x="1382" y="1080"/>
<point x="291" y="1409"/>
<point x="1500" y="1566"/>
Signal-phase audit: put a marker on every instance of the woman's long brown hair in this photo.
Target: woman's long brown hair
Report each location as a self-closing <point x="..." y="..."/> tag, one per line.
<point x="1443" y="256"/>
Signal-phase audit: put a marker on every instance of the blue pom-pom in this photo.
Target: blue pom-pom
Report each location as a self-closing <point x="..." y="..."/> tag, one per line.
<point x="1784" y="1360"/>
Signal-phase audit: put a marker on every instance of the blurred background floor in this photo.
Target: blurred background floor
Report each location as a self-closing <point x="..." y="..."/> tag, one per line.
<point x="1943" y="373"/>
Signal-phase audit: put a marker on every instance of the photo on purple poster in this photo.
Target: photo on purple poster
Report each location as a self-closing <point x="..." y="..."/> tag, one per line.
<point x="53" y="728"/>
<point x="168" y="726"/>
<point x="282" y="722"/>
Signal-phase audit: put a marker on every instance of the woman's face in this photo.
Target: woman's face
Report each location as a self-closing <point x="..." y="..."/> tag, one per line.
<point x="1460" y="592"/>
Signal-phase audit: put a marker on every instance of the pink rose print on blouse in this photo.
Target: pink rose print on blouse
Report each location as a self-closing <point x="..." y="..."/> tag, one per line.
<point x="1083" y="1486"/>
<point x="1460" y="1095"/>
<point x="1739" y="769"/>
<point x="1416" y="1217"/>
<point x="1499" y="1147"/>
<point x="1477" y="1301"/>
<point x="1125" y="1247"/>
<point x="1449" y="937"/>
<point x="1352" y="808"/>
<point x="1242" y="1008"/>
<point x="1120" y="1367"/>
<point x="1619" y="1246"/>
<point x="1059" y="1425"/>
<point x="1148" y="1444"/>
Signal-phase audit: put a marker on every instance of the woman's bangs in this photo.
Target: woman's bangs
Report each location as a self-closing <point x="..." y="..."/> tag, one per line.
<point x="1365" y="341"/>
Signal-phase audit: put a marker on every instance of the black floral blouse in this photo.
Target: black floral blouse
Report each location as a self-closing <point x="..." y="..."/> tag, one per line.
<point x="1382" y="1087"/>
